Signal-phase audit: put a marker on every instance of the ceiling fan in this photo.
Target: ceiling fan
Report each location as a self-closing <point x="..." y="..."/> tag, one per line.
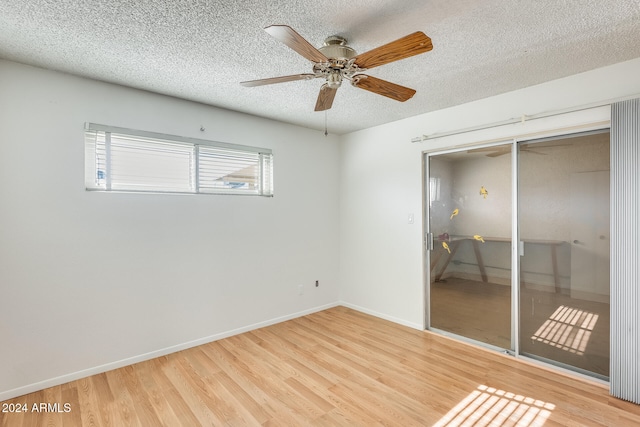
<point x="336" y="61"/>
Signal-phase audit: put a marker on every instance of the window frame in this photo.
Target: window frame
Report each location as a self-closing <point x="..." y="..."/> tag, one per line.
<point x="263" y="162"/>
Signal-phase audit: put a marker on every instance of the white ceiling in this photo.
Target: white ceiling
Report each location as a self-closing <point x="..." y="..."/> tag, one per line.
<point x="201" y="49"/>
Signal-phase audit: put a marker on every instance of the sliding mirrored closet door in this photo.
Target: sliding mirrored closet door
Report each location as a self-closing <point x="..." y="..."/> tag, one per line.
<point x="470" y="223"/>
<point x="551" y="300"/>
<point x="563" y="198"/>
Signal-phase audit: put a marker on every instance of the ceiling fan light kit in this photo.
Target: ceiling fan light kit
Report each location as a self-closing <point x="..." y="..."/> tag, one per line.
<point x="335" y="61"/>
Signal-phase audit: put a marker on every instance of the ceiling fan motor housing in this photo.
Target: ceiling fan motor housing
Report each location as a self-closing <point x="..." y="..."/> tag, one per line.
<point x="335" y="47"/>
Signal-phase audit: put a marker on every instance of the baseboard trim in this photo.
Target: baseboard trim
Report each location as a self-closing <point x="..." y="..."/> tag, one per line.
<point x="52" y="382"/>
<point x="383" y="316"/>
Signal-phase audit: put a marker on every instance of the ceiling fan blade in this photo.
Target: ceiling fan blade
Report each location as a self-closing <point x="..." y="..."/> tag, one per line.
<point x="272" y="80"/>
<point x="325" y="97"/>
<point x="383" y="87"/>
<point x="413" y="44"/>
<point x="492" y="148"/>
<point x="295" y="41"/>
<point x="540" y="153"/>
<point x="498" y="153"/>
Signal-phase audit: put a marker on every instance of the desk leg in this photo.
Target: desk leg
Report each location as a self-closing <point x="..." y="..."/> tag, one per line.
<point x="436" y="257"/>
<point x="453" y="246"/>
<point x="554" y="263"/>
<point x="476" y="250"/>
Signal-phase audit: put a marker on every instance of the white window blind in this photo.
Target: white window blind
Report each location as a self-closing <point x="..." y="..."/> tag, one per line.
<point x="126" y="160"/>
<point x="224" y="170"/>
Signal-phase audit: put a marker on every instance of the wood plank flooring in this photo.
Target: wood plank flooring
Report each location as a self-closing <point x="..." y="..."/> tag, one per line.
<point x="482" y="311"/>
<point x="337" y="367"/>
<point x="473" y="309"/>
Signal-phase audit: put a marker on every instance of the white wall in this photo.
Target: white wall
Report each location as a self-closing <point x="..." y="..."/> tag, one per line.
<point x="381" y="258"/>
<point x="90" y="281"/>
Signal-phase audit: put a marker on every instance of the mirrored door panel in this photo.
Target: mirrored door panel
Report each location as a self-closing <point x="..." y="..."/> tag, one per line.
<point x="470" y="265"/>
<point x="563" y="198"/>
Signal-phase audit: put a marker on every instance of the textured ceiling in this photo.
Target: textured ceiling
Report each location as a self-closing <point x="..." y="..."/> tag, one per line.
<point x="201" y="49"/>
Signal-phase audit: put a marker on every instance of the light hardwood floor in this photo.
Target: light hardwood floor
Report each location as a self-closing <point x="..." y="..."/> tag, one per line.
<point x="337" y="367"/>
<point x="482" y="311"/>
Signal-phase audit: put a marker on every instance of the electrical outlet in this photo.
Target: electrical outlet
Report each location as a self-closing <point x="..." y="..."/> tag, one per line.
<point x="317" y="283"/>
<point x="300" y="289"/>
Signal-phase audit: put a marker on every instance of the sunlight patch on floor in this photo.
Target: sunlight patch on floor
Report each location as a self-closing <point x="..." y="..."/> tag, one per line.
<point x="568" y="329"/>
<point x="488" y="406"/>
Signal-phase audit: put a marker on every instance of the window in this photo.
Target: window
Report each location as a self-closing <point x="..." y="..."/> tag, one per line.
<point x="127" y="160"/>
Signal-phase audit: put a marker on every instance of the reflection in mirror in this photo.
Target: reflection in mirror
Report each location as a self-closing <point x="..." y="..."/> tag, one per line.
<point x="563" y="188"/>
<point x="470" y="218"/>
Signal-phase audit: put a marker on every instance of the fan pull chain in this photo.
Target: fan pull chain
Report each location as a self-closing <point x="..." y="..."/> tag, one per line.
<point x="326" y="132"/>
